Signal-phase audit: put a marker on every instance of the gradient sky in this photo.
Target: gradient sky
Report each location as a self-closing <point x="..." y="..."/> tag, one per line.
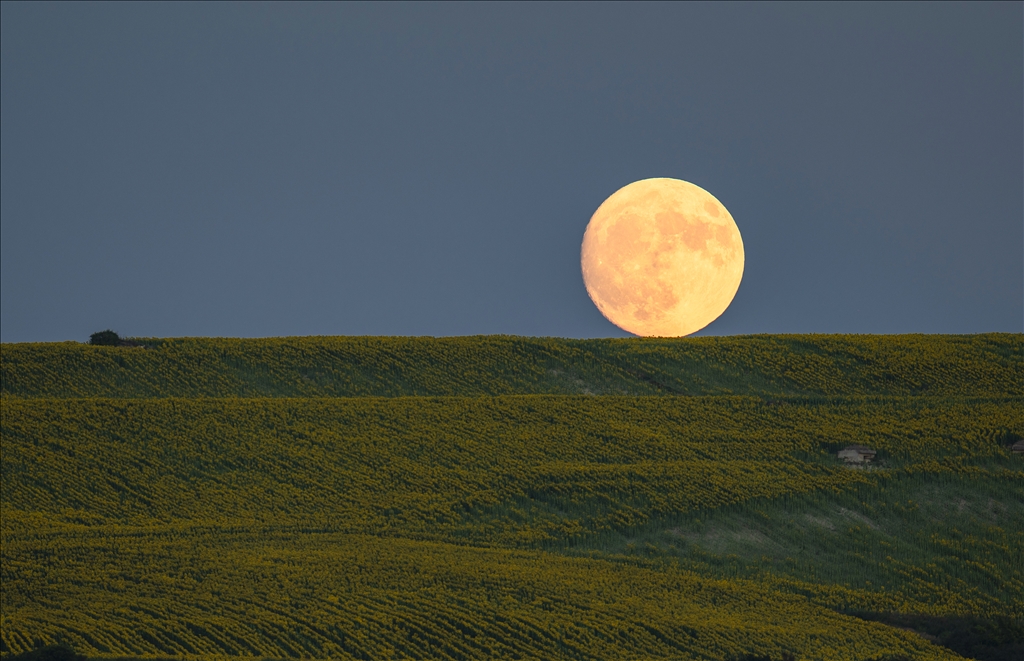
<point x="386" y="169"/>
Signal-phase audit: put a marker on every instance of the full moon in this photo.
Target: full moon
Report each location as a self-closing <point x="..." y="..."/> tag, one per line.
<point x="662" y="257"/>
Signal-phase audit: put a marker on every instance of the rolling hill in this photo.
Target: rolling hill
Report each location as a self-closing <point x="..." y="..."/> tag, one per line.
<point x="758" y="365"/>
<point x="505" y="497"/>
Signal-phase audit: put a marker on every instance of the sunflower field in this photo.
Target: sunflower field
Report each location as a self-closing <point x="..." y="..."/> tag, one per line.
<point x="521" y="498"/>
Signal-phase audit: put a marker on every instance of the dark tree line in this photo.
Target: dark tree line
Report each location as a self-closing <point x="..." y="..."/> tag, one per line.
<point x="109" y="338"/>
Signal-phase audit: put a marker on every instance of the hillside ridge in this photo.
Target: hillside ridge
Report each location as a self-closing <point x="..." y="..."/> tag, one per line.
<point x="506" y="497"/>
<point x="487" y="365"/>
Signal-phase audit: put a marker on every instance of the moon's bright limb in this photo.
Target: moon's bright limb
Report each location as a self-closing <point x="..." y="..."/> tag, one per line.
<point x="662" y="257"/>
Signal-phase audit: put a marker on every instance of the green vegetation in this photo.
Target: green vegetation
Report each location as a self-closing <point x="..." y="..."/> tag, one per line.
<point x="107" y="338"/>
<point x="216" y="498"/>
<point x="760" y="365"/>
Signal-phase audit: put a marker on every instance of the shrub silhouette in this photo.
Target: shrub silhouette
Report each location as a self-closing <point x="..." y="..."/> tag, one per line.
<point x="107" y="338"/>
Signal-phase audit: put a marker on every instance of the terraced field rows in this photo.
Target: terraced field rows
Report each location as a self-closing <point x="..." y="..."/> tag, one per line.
<point x="355" y="597"/>
<point x="510" y="470"/>
<point x="531" y="498"/>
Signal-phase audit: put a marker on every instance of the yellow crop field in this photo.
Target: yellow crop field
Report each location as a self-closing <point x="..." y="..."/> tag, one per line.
<point x="762" y="365"/>
<point x="514" y="498"/>
<point x="316" y="595"/>
<point x="452" y="466"/>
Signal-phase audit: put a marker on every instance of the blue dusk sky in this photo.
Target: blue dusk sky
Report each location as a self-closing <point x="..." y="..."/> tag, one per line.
<point x="261" y="169"/>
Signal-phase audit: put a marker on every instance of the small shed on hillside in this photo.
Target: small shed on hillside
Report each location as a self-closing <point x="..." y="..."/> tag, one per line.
<point x="1018" y="447"/>
<point x="857" y="454"/>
